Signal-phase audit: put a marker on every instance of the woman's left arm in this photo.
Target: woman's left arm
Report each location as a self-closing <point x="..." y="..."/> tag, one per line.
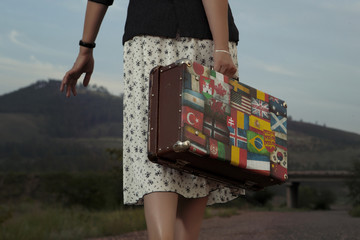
<point x="217" y="15"/>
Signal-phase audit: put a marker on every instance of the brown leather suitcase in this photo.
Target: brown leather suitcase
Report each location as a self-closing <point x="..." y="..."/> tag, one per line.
<point x="206" y="124"/>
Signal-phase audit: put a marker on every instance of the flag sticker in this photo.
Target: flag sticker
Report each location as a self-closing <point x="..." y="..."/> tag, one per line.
<point x="237" y="123"/>
<point x="217" y="107"/>
<point x="194" y="135"/>
<point x="207" y="87"/>
<point x="242" y="119"/>
<point x="198" y="68"/>
<point x="191" y="82"/>
<point x="279" y="155"/>
<point x="260" y="108"/>
<point x="216" y="129"/>
<point x="192" y="117"/>
<point x="258" y="125"/>
<point x="256" y="143"/>
<point x="221" y="86"/>
<point x="219" y="150"/>
<point x="262" y="96"/>
<point x="278" y="123"/>
<point x="269" y="140"/>
<point x="240" y="102"/>
<point x="277" y="106"/>
<point x="238" y="157"/>
<point x="194" y="100"/>
<point x="198" y="149"/>
<point x="238" y="87"/>
<point x="258" y="163"/>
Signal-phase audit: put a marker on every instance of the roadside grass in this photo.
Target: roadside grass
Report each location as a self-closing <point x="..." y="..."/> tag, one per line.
<point x="32" y="221"/>
<point x="355" y="211"/>
<point x="220" y="212"/>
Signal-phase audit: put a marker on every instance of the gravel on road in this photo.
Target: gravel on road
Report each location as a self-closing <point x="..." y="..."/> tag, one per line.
<point x="258" y="225"/>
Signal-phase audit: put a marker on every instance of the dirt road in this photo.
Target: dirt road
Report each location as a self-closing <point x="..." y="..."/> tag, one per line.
<point x="252" y="225"/>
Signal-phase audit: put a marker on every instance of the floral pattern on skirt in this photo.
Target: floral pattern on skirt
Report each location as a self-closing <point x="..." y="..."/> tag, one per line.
<point x="141" y="177"/>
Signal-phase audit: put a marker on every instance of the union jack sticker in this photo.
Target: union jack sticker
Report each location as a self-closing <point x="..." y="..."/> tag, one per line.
<point x="260" y="108"/>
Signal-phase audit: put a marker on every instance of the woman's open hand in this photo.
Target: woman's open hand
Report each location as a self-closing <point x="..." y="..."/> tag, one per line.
<point x="83" y="64"/>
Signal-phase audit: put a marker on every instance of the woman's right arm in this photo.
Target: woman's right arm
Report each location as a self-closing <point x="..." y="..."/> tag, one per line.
<point x="217" y="15"/>
<point x="84" y="63"/>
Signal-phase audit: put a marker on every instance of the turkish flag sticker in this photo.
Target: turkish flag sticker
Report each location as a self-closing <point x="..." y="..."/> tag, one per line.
<point x="192" y="117"/>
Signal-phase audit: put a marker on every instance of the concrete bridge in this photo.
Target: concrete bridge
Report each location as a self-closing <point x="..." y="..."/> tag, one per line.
<point x="296" y="177"/>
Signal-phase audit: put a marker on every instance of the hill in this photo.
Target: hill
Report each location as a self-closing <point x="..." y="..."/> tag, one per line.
<point x="315" y="147"/>
<point x="42" y="130"/>
<point x="61" y="116"/>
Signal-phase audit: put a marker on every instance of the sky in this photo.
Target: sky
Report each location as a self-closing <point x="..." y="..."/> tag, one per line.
<point x="305" y="52"/>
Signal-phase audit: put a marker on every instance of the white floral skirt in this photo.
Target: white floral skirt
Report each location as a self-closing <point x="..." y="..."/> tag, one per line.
<point x="141" y="176"/>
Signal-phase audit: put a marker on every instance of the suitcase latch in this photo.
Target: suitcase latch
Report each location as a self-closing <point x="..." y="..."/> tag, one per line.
<point x="181" y="146"/>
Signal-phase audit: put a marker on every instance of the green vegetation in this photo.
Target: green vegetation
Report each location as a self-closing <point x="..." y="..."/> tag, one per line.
<point x="355" y="211"/>
<point x="354" y="183"/>
<point x="221" y="212"/>
<point x="65" y="206"/>
<point x="34" y="221"/>
<point x="314" y="199"/>
<point x="354" y="188"/>
<point x="87" y="189"/>
<point x="261" y="198"/>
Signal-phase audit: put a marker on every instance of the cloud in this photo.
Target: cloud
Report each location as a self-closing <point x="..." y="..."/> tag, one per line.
<point x="112" y="82"/>
<point x="348" y="7"/>
<point x="19" y="73"/>
<point x="28" y="70"/>
<point x="272" y="68"/>
<point x="22" y="40"/>
<point x="15" y="74"/>
<point x="14" y="37"/>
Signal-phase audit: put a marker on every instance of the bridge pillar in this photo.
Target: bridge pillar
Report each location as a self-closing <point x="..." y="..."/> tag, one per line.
<point x="292" y="192"/>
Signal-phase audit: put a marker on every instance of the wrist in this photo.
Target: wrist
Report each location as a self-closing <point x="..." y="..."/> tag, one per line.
<point x="222" y="51"/>
<point x="86" y="48"/>
<point x="221" y="45"/>
<point x="85" y="51"/>
<point x="90" y="45"/>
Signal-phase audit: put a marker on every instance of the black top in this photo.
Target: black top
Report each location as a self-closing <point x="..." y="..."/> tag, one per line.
<point x="167" y="18"/>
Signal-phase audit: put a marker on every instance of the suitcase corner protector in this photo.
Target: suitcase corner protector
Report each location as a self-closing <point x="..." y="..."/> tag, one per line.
<point x="152" y="157"/>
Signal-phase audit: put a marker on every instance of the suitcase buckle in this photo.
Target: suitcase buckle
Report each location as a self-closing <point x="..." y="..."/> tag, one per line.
<point x="181" y="146"/>
<point x="184" y="61"/>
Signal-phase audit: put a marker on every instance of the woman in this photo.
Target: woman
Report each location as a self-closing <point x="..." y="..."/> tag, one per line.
<point x="159" y="32"/>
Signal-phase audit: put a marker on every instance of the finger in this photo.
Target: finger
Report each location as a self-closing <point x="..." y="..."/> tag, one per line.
<point x="221" y="68"/>
<point x="231" y="72"/>
<point x="64" y="81"/>
<point x="216" y="68"/>
<point x="73" y="89"/>
<point x="87" y="79"/>
<point x="68" y="89"/>
<point x="224" y="70"/>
